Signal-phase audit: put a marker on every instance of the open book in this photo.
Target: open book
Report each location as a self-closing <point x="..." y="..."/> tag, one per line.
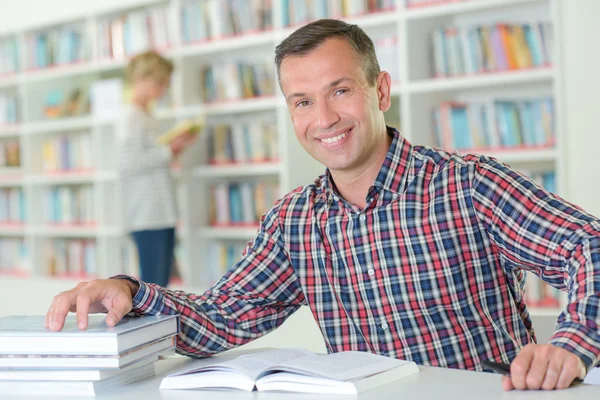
<point x="180" y="129"/>
<point x="293" y="370"/>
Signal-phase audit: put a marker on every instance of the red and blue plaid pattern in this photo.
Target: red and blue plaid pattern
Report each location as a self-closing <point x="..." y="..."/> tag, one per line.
<point x="432" y="270"/>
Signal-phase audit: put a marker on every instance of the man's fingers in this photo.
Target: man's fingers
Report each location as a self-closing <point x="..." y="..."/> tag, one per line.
<point x="61" y="306"/>
<point x="568" y="372"/>
<point x="116" y="313"/>
<point x="538" y="367"/>
<point x="553" y="373"/>
<point x="507" y="383"/>
<point x="520" y="366"/>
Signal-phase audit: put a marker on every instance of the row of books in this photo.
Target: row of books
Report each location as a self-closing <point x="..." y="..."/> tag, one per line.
<point x="134" y="32"/>
<point x="296" y="12"/>
<point x="500" y="47"/>
<point x="222" y="256"/>
<point x="12" y="206"/>
<point x="68" y="153"/>
<point x="495" y="124"/>
<point x="58" y="46"/>
<point x="14" y="255"/>
<point x="241" y="204"/>
<point x="9" y="55"/>
<point x="386" y="49"/>
<point x="74" y="362"/>
<point x="70" y="257"/>
<point x="539" y="294"/>
<point x="236" y="80"/>
<point x="243" y="142"/>
<point x="10" y="153"/>
<point x="9" y="113"/>
<point x="212" y="19"/>
<point x="69" y="205"/>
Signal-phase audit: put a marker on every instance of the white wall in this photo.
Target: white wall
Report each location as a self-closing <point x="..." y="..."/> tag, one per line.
<point x="581" y="113"/>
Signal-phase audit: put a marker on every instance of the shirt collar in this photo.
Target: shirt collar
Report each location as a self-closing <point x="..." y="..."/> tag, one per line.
<point x="393" y="174"/>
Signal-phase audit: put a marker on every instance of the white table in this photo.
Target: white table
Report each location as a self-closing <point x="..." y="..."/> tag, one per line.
<point x="429" y="384"/>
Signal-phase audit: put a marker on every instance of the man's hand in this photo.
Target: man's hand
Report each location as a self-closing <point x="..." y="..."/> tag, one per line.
<point x="543" y="366"/>
<point x="113" y="296"/>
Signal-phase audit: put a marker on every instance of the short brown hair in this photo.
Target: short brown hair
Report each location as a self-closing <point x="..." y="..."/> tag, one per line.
<point x="149" y="64"/>
<point x="309" y="37"/>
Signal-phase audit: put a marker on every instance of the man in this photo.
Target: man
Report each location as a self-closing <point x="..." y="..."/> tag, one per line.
<point x="401" y="250"/>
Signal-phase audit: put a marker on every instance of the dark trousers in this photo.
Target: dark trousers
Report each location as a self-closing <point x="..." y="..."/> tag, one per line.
<point x="155" y="252"/>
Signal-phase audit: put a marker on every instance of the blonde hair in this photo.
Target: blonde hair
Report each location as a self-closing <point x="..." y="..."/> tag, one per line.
<point x="149" y="64"/>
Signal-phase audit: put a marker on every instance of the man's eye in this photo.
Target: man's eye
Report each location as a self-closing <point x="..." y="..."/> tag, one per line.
<point x="340" y="91"/>
<point x="302" y="103"/>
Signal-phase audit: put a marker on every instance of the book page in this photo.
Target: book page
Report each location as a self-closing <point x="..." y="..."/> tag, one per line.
<point x="253" y="365"/>
<point x="343" y="366"/>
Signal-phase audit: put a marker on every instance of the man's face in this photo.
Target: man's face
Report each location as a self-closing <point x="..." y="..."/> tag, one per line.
<point x="336" y="113"/>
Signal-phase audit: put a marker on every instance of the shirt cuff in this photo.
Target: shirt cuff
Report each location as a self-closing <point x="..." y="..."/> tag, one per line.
<point x="580" y="340"/>
<point x="148" y="300"/>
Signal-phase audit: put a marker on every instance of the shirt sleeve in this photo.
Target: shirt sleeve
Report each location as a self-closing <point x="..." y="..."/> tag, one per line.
<point x="537" y="231"/>
<point x="253" y="298"/>
<point x="134" y="153"/>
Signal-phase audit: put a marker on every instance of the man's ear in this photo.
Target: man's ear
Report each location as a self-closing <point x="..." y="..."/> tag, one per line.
<point x="384" y="90"/>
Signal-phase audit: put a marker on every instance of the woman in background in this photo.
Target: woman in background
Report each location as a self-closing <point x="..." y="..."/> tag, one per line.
<point x="146" y="186"/>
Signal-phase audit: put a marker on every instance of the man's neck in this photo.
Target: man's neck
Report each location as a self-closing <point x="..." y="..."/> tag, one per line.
<point x="354" y="185"/>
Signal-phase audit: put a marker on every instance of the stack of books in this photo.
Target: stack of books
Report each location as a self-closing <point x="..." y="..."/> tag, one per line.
<point x="34" y="360"/>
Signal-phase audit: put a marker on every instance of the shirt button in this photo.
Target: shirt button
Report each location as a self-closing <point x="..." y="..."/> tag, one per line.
<point x="363" y="217"/>
<point x="371" y="272"/>
<point x="336" y="198"/>
<point x="384" y="326"/>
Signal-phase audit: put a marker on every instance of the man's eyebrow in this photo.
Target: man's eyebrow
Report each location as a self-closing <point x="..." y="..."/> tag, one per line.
<point x="327" y="86"/>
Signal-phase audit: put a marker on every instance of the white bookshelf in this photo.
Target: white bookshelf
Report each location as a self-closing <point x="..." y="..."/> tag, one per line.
<point x="414" y="96"/>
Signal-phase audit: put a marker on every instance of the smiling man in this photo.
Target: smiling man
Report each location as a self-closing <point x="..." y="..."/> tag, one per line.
<point x="406" y="251"/>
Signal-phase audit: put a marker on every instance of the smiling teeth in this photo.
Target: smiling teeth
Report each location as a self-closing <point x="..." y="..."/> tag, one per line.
<point x="334" y="139"/>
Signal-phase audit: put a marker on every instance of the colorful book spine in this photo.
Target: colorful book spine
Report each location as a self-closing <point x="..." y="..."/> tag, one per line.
<point x="66" y="153"/>
<point x="69" y="205"/>
<point x="12" y="206"/>
<point x="14" y="256"/>
<point x="296" y="12"/>
<point x="222" y="256"/>
<point x="56" y="47"/>
<point x="242" y="142"/>
<point x="9" y="55"/>
<point x="70" y="258"/>
<point x="135" y="32"/>
<point x="233" y="81"/>
<point x="465" y="50"/>
<point x="241" y="204"/>
<point x="9" y="111"/>
<point x="523" y="123"/>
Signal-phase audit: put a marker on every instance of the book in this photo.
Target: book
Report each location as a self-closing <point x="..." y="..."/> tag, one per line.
<point x="74" y="361"/>
<point x="293" y="370"/>
<point x="27" y="335"/>
<point x="81" y="388"/>
<point x="184" y="127"/>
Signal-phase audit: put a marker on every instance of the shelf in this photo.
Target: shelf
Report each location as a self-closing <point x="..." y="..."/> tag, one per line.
<point x="486" y="80"/>
<point x="239" y="42"/>
<point x="9" y="130"/>
<point x="249" y="169"/>
<point x="266" y="103"/>
<point x="62" y="178"/>
<point x="459" y="7"/>
<point x="521" y="155"/>
<point x="232" y="233"/>
<point x="11" y="176"/>
<point x="58" y="125"/>
<point x="12" y="229"/>
<point x="9" y="80"/>
<point x="545" y="312"/>
<point x="71" y="231"/>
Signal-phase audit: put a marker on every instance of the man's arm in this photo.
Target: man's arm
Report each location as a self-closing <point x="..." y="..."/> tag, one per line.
<point x="537" y="231"/>
<point x="255" y="296"/>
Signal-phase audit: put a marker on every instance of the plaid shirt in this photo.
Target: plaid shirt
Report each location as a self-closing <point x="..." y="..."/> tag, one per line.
<point x="432" y="270"/>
